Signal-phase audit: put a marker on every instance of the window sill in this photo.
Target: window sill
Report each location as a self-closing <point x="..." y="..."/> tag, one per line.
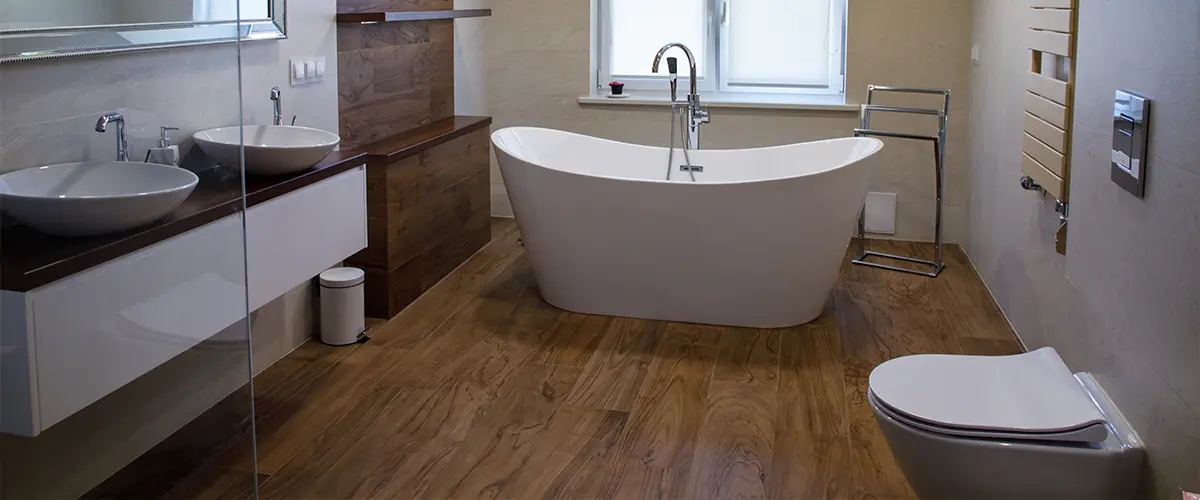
<point x="832" y="103"/>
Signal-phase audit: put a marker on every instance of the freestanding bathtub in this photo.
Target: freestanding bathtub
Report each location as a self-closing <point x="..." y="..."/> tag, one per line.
<point x="756" y="241"/>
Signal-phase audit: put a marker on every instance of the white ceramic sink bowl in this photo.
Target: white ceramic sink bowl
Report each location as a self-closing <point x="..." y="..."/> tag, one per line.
<point x="270" y="149"/>
<point x="94" y="198"/>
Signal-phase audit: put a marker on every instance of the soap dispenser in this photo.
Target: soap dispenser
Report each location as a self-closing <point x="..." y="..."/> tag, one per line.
<point x="166" y="153"/>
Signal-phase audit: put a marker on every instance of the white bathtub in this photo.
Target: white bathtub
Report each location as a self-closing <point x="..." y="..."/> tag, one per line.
<point x="756" y="241"/>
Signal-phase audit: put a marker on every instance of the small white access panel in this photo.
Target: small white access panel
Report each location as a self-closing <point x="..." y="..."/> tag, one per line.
<point x="879" y="214"/>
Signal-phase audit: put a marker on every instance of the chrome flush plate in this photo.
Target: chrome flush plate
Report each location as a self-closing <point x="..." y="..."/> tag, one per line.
<point x="1131" y="129"/>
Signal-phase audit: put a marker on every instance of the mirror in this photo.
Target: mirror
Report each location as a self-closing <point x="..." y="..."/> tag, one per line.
<point x="42" y="29"/>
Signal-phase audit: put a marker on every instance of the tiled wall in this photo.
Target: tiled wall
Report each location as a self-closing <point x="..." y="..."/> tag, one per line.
<point x="1124" y="303"/>
<point x="48" y="108"/>
<point x="538" y="56"/>
<point x="470" y="66"/>
<point x="47" y="113"/>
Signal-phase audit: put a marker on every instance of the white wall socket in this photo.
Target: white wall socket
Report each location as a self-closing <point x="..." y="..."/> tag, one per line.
<point x="307" y="70"/>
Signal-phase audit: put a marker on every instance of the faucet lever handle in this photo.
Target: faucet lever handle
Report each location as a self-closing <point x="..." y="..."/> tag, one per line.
<point x="673" y="65"/>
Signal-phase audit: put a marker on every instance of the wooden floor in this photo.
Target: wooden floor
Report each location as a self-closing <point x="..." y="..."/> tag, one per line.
<point x="482" y="390"/>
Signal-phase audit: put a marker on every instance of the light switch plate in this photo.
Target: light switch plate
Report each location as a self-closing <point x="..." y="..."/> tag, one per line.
<point x="975" y="54"/>
<point x="307" y="70"/>
<point x="880" y="213"/>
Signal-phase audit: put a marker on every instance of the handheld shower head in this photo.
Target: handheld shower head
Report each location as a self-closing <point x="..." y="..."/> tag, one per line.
<point x="673" y="64"/>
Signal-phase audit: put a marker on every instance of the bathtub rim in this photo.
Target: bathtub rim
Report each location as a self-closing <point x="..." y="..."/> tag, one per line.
<point x="877" y="146"/>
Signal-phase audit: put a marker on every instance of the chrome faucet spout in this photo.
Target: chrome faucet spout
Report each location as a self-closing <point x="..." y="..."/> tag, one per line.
<point x="691" y="63"/>
<point x="696" y="114"/>
<point x="122" y="138"/>
<point x="277" y="99"/>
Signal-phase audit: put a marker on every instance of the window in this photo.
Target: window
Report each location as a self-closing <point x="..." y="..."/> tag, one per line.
<point x="759" y="46"/>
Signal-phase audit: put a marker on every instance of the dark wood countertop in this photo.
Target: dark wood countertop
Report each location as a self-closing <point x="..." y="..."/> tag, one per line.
<point x="419" y="139"/>
<point x="29" y="259"/>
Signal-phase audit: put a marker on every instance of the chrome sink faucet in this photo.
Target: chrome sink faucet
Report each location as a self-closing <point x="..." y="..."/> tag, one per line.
<point x="278" y="100"/>
<point x="697" y="114"/>
<point x="122" y="139"/>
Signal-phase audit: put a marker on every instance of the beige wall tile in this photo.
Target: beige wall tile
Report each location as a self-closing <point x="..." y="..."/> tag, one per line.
<point x="192" y="88"/>
<point x="1162" y="65"/>
<point x="1137" y="256"/>
<point x="1123" y="302"/>
<point x="542" y="25"/>
<point x="501" y="206"/>
<point x="470" y="54"/>
<point x="539" y="63"/>
<point x="1169" y="426"/>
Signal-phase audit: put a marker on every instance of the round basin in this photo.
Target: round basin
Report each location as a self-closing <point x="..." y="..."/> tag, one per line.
<point x="94" y="198"/>
<point x="270" y="149"/>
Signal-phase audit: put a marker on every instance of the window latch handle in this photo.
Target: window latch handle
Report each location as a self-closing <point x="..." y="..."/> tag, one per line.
<point x="724" y="13"/>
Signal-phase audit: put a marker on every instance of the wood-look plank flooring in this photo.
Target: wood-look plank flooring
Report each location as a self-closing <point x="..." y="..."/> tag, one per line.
<point x="480" y="389"/>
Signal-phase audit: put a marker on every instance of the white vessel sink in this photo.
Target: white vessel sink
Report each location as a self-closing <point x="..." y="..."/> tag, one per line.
<point x="270" y="149"/>
<point x="94" y="198"/>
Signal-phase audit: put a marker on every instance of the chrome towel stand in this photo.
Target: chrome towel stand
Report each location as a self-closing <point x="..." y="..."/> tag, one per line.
<point x="939" y="156"/>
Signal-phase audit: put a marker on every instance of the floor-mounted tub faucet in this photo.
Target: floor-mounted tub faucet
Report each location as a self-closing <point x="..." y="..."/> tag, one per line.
<point x="122" y="139"/>
<point x="697" y="114"/>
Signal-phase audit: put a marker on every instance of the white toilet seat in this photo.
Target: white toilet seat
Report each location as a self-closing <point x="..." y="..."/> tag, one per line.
<point x="1090" y="434"/>
<point x="1031" y="396"/>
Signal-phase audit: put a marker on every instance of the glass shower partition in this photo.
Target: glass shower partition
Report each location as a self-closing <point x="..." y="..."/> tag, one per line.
<point x="125" y="354"/>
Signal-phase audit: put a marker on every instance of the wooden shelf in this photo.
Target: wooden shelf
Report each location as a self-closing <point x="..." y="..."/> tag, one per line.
<point x="414" y="141"/>
<point x="428" y="15"/>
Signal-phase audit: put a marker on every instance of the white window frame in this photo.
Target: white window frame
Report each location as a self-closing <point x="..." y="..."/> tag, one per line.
<point x="717" y="57"/>
<point x="604" y="53"/>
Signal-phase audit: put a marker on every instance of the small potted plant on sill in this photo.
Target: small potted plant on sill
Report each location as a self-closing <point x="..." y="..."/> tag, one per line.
<point x="617" y="88"/>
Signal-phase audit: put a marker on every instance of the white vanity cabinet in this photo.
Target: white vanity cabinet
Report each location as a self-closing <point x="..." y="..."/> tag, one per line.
<point x="65" y="345"/>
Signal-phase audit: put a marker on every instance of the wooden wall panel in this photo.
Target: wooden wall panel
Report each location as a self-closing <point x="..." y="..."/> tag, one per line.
<point x="418" y="178"/>
<point x="425" y="269"/>
<point x="436" y="208"/>
<point x="351" y="6"/>
<point x="366" y="124"/>
<point x="374" y="255"/>
<point x="352" y="37"/>
<point x="428" y="191"/>
<point x="414" y="231"/>
<point x="393" y="77"/>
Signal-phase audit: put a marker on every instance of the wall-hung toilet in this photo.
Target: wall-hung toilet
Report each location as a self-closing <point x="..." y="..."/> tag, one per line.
<point x="1024" y="426"/>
